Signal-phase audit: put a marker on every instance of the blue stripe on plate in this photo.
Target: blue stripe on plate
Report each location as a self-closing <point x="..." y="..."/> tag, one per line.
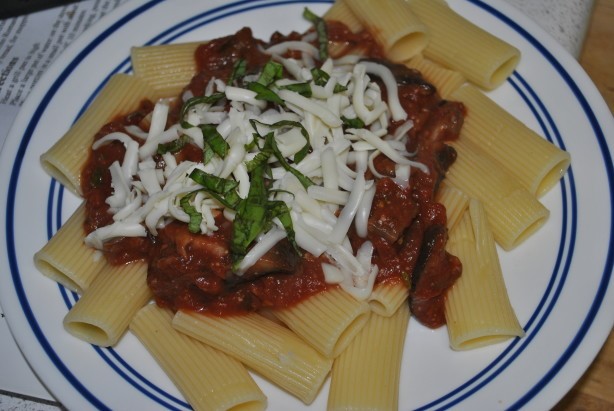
<point x="456" y="395"/>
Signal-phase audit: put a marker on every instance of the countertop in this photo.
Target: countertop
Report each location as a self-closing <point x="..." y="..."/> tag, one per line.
<point x="567" y="22"/>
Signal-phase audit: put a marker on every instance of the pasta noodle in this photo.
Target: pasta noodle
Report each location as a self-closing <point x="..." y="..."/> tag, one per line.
<point x="66" y="259"/>
<point x="534" y="162"/>
<point x="513" y="213"/>
<point x="103" y="313"/>
<point x="65" y="159"/>
<point x="328" y="321"/>
<point x="462" y="46"/>
<point x="478" y="310"/>
<point x="386" y="298"/>
<point x="393" y="25"/>
<point x="366" y="376"/>
<point x="339" y="11"/>
<point x="447" y="81"/>
<point x="166" y="68"/>
<point x="268" y="348"/>
<point x="455" y="201"/>
<point x="209" y="379"/>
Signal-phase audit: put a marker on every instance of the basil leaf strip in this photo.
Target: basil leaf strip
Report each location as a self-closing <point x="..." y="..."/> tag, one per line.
<point x="254" y="215"/>
<point x="300" y="155"/>
<point x="212" y="99"/>
<point x="215" y="140"/>
<point x="251" y="217"/>
<point x="264" y="93"/>
<point x="271" y="72"/>
<point x="304" y="89"/>
<point x="238" y="71"/>
<point x="223" y="190"/>
<point x="320" y="26"/>
<point x="280" y="210"/>
<point x="195" y="217"/>
<point x="305" y="181"/>
<point x="353" y="122"/>
<point x="173" y="146"/>
<point x="320" y="77"/>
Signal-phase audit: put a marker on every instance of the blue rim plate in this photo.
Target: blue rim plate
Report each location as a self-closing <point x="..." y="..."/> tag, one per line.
<point x="559" y="281"/>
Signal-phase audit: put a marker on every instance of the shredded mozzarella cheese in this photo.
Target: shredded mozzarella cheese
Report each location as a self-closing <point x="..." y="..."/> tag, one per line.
<point x="145" y="197"/>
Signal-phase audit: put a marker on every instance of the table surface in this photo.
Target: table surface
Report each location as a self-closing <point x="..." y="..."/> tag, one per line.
<point x="595" y="390"/>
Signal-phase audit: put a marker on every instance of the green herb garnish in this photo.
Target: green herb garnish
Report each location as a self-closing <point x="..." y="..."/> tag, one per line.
<point x="352" y="122"/>
<point x="212" y="99"/>
<point x="264" y="93"/>
<point x="214" y="140"/>
<point x="238" y="71"/>
<point x="304" y="89"/>
<point x="173" y="146"/>
<point x="320" y="27"/>
<point x="195" y="217"/>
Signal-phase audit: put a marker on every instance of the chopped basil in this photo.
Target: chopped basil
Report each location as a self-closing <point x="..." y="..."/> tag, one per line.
<point x="238" y="71"/>
<point x="212" y="99"/>
<point x="320" y="77"/>
<point x="222" y="189"/>
<point x="214" y="140"/>
<point x="195" y="217"/>
<point x="298" y="157"/>
<point x="264" y="93"/>
<point x="251" y="217"/>
<point x="280" y="210"/>
<point x="255" y="215"/>
<point x="352" y="122"/>
<point x="173" y="146"/>
<point x="304" y="89"/>
<point x="320" y="26"/>
<point x="305" y="181"/>
<point x="271" y="72"/>
<point x="339" y="88"/>
<point x="208" y="153"/>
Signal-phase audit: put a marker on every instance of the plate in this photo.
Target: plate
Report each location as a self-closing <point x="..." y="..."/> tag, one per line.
<point x="559" y="281"/>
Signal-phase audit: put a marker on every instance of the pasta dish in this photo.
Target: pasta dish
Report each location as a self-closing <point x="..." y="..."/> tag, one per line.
<point x="285" y="206"/>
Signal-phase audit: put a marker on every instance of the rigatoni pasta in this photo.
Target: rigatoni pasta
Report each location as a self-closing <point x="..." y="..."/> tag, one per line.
<point x="387" y="297"/>
<point x="65" y="160"/>
<point x="478" y="309"/>
<point x="270" y="349"/>
<point x="104" y="311"/>
<point x="366" y="375"/>
<point x="532" y="160"/>
<point x="401" y="34"/>
<point x="328" y="321"/>
<point x="167" y="68"/>
<point x="209" y="379"/>
<point x="341" y="12"/>
<point x="513" y="212"/>
<point x="66" y="259"/>
<point x="447" y="81"/>
<point x="460" y="45"/>
<point x="455" y="202"/>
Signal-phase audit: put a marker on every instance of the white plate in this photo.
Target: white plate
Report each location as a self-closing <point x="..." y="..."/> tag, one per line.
<point x="559" y="280"/>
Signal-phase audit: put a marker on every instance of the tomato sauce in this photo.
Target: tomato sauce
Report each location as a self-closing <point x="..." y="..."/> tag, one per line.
<point x="406" y="226"/>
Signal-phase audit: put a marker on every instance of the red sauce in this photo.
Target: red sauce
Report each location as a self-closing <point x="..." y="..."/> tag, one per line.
<point x="406" y="226"/>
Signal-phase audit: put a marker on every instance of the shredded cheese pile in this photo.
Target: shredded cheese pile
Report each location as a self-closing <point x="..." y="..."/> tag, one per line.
<point x="145" y="197"/>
